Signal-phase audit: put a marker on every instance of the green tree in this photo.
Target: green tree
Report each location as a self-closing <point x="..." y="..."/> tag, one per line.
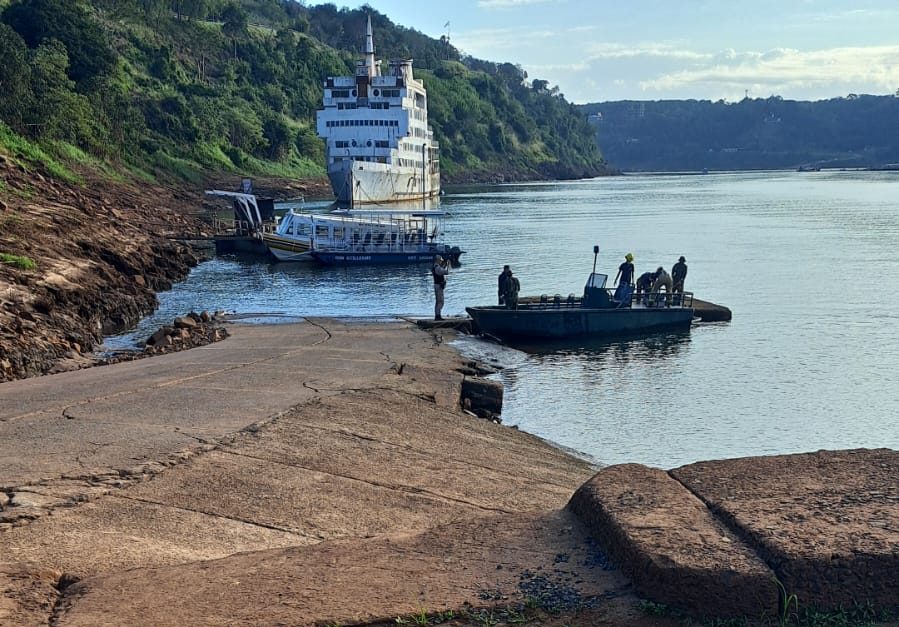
<point x="67" y="21"/>
<point x="15" y="79"/>
<point x="235" y="24"/>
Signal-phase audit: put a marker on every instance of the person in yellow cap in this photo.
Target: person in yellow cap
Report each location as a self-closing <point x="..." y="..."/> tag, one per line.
<point x="626" y="274"/>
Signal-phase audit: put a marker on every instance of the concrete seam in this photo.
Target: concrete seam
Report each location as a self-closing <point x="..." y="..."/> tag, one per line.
<point x="730" y="522"/>
<point x="395" y="487"/>
<point x="213" y="515"/>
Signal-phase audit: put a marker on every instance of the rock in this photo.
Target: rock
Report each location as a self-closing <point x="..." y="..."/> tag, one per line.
<point x="482" y="394"/>
<point x="4" y="500"/>
<point x="185" y="322"/>
<point x="140" y="280"/>
<point x="158" y="338"/>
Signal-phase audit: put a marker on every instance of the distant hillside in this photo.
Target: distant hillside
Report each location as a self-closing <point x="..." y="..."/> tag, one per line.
<point x="191" y="87"/>
<point x="683" y="135"/>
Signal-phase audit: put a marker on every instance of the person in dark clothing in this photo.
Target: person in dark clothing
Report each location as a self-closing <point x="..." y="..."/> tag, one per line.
<point x="626" y="275"/>
<point x="644" y="282"/>
<point x="502" y="285"/>
<point x="439" y="272"/>
<point x="679" y="274"/>
<point x="513" y="286"/>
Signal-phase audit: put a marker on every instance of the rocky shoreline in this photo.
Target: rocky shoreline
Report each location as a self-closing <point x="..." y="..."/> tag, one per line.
<point x="91" y="259"/>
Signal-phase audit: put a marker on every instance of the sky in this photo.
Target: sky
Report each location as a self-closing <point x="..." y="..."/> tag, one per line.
<point x="674" y="49"/>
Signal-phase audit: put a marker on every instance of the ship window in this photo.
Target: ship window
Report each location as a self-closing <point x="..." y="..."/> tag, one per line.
<point x="338" y="232"/>
<point x="377" y="93"/>
<point x="340" y="93"/>
<point x="368" y="143"/>
<point x="381" y="144"/>
<point x="354" y="93"/>
<point x="321" y="230"/>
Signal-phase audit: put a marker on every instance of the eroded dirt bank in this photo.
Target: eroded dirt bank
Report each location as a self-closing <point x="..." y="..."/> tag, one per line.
<point x="83" y="260"/>
<point x="98" y="255"/>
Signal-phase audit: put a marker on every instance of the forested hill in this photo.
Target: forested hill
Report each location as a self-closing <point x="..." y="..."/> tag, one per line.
<point x="193" y="87"/>
<point x="769" y="133"/>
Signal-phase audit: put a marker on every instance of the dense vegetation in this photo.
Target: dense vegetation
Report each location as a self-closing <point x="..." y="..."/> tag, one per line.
<point x="190" y="87"/>
<point x="677" y="135"/>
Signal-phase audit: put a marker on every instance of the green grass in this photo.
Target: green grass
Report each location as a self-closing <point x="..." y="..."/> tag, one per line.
<point x="18" y="261"/>
<point x="212" y="156"/>
<point x="22" y="150"/>
<point x="183" y="169"/>
<point x="72" y="154"/>
<point x="294" y="168"/>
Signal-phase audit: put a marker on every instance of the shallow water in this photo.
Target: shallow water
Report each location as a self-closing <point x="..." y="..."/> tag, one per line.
<point x="806" y="261"/>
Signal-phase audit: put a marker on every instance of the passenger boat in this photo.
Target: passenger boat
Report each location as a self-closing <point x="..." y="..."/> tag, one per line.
<point x="360" y="238"/>
<point x="596" y="314"/>
<point x="379" y="147"/>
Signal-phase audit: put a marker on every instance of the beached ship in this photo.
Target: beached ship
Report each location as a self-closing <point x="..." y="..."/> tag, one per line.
<point x="379" y="147"/>
<point x="360" y="238"/>
<point x="596" y="314"/>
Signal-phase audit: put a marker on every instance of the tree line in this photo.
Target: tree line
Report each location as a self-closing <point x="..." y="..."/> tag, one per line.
<point x="754" y="133"/>
<point x="187" y="87"/>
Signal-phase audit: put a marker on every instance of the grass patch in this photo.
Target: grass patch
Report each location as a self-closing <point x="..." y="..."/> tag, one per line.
<point x="18" y="261"/>
<point x="73" y="154"/>
<point x="212" y="156"/>
<point x="294" y="168"/>
<point x="184" y="169"/>
<point x="21" y="149"/>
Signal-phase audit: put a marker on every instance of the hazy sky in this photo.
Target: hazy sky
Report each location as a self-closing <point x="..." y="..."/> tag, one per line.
<point x="653" y="49"/>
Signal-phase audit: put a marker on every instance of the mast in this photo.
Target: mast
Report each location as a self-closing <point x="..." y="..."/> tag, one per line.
<point x="370" y="51"/>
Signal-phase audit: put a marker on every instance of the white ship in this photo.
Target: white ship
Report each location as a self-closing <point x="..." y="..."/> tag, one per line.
<point x="379" y="146"/>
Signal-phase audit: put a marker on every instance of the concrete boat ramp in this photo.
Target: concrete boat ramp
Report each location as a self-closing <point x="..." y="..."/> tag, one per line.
<point x="323" y="473"/>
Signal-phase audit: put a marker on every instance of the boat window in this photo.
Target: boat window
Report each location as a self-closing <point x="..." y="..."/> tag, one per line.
<point x="321" y="230"/>
<point x="304" y="229"/>
<point x="339" y="232"/>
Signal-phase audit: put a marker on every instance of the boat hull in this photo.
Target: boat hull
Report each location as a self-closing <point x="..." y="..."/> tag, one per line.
<point x="287" y="249"/>
<point x="559" y="323"/>
<point x="372" y="258"/>
<point x="362" y="183"/>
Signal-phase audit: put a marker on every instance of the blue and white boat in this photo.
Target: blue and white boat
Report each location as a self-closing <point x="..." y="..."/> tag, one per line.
<point x="360" y="238"/>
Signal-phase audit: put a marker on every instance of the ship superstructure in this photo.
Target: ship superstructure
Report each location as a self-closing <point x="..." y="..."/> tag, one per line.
<point x="379" y="146"/>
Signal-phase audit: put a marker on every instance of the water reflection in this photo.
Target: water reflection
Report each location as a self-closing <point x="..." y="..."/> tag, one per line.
<point x="624" y="348"/>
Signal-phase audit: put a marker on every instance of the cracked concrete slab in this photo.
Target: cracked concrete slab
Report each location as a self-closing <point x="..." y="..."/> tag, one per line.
<point x="482" y="562"/>
<point x="826" y="522"/>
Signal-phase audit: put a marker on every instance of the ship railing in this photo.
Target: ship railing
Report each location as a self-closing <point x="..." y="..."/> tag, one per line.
<point x="240" y="228"/>
<point x="663" y="299"/>
<point x="647" y="300"/>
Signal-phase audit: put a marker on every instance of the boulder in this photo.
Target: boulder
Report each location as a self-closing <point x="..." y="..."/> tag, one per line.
<point x="185" y="322"/>
<point x="482" y="394"/>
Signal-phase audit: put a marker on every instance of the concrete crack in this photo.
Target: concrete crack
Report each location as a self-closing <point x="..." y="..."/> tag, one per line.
<point x="222" y="516"/>
<point x="386" y="486"/>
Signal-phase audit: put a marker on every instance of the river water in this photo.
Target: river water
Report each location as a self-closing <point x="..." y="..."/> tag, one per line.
<point x="807" y="262"/>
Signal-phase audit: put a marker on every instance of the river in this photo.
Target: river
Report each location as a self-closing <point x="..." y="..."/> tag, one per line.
<point x="806" y="261"/>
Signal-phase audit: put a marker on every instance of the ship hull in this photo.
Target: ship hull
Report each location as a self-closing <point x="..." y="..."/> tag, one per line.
<point x="362" y="183"/>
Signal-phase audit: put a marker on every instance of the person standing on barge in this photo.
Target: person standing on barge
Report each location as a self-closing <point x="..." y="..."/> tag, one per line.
<point x="503" y="284"/>
<point x="626" y="274"/>
<point x="679" y="274"/>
